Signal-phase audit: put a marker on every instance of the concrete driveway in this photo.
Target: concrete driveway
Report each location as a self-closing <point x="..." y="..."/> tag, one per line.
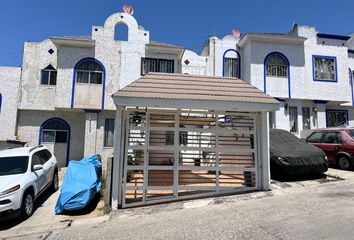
<point x="43" y="219"/>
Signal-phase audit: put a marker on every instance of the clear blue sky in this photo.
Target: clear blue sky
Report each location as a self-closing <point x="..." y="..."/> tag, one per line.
<point x="184" y="22"/>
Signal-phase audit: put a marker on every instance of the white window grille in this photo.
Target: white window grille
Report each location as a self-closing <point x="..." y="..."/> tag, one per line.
<point x="325" y="68"/>
<point x="276" y="65"/>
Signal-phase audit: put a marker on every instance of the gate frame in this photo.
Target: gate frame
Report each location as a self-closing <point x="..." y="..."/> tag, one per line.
<point x="176" y="168"/>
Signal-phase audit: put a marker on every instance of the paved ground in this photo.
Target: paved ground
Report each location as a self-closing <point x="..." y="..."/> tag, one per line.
<point x="43" y="220"/>
<point x="314" y="209"/>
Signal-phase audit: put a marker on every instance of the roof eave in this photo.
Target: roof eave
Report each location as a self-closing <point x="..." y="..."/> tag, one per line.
<point x="269" y="38"/>
<point x="72" y="42"/>
<point x="216" y="105"/>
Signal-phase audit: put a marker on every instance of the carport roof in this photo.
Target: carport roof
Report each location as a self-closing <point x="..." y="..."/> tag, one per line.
<point x="185" y="87"/>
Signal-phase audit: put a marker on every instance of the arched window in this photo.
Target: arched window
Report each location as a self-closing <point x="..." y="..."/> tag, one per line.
<point x="231" y="61"/>
<point x="276" y="65"/>
<point x="89" y="71"/>
<point x="49" y="75"/>
<point x="55" y="131"/>
<point x="121" y="32"/>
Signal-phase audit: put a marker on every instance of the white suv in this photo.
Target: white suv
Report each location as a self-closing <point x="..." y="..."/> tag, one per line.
<point x="25" y="173"/>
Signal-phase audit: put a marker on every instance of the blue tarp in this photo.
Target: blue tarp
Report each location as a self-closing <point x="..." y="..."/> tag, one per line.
<point x="81" y="182"/>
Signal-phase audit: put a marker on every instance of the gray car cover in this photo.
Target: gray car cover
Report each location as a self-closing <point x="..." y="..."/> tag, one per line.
<point x="289" y="156"/>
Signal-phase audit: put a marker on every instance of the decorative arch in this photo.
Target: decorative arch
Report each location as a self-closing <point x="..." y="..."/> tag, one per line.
<point x="265" y="71"/>
<point x="121" y="32"/>
<point x="103" y="79"/>
<point x="239" y="62"/>
<point x="58" y="123"/>
<point x="119" y="18"/>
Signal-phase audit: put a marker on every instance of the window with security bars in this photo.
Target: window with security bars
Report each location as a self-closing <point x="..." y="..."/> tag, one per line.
<point x="276" y="65"/>
<point x="231" y="67"/>
<point x="156" y="65"/>
<point x="337" y="118"/>
<point x="325" y="68"/>
<point x="293" y="119"/>
<point x="306" y="122"/>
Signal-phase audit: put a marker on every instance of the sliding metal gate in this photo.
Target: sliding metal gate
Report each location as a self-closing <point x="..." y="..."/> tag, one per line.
<point x="172" y="155"/>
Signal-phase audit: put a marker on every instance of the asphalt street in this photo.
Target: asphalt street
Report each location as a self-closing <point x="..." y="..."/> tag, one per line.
<point x="321" y="211"/>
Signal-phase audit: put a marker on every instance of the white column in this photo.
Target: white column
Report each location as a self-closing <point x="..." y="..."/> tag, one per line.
<point x="263" y="150"/>
<point x="118" y="157"/>
<point x="90" y="133"/>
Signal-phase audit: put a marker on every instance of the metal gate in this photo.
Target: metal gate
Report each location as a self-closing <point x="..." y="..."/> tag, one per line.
<point x="172" y="155"/>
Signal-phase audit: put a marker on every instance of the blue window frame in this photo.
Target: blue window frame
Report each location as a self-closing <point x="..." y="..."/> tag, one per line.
<point x="0" y="102"/>
<point x="324" y="68"/>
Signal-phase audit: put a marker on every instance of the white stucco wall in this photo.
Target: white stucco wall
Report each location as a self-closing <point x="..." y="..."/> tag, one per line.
<point x="9" y="86"/>
<point x="29" y="127"/>
<point x="33" y="95"/>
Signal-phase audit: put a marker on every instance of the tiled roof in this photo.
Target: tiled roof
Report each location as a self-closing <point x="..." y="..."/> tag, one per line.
<point x="192" y="87"/>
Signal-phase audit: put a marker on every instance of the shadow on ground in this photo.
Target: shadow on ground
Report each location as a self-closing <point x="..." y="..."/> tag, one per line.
<point x="10" y="223"/>
<point x="279" y="178"/>
<point x="87" y="210"/>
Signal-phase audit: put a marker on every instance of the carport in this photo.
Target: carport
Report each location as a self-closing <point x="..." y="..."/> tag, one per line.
<point x="185" y="136"/>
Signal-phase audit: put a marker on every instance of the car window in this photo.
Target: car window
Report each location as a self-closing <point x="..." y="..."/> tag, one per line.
<point x="332" y="137"/>
<point x="351" y="133"/>
<point x="44" y="155"/>
<point x="13" y="165"/>
<point x="36" y="159"/>
<point x="315" y="138"/>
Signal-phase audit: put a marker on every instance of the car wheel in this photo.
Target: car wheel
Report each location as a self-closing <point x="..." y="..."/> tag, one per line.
<point x="27" y="205"/>
<point x="344" y="163"/>
<point x="55" y="181"/>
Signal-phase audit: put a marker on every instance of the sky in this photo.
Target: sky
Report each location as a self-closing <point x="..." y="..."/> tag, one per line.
<point x="186" y="23"/>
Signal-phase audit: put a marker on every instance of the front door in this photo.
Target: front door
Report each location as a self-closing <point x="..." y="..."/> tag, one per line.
<point x="55" y="135"/>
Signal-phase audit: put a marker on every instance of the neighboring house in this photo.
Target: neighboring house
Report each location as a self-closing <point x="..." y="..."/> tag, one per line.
<point x="64" y="86"/>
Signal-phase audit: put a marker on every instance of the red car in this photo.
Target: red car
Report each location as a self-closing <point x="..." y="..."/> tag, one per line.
<point x="337" y="143"/>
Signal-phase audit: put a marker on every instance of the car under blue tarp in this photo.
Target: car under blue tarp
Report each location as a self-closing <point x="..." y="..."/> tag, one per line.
<point x="82" y="182"/>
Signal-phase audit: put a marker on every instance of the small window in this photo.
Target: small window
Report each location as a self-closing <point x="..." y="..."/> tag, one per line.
<point x="89" y="72"/>
<point x="293" y="119"/>
<point x="332" y="137"/>
<point x="276" y="65"/>
<point x="108" y="133"/>
<point x="306" y="119"/>
<point x="52" y="136"/>
<point x="325" y="68"/>
<point x="156" y="65"/>
<point x="49" y="76"/>
<point x="231" y="67"/>
<point x="170" y="138"/>
<point x="315" y="138"/>
<point x="337" y="118"/>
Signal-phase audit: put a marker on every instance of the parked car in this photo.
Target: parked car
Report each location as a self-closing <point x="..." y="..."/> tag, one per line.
<point x="25" y="173"/>
<point x="337" y="143"/>
<point x="291" y="157"/>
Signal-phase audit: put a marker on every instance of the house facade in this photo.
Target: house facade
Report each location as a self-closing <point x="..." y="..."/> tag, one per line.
<point x="61" y="95"/>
